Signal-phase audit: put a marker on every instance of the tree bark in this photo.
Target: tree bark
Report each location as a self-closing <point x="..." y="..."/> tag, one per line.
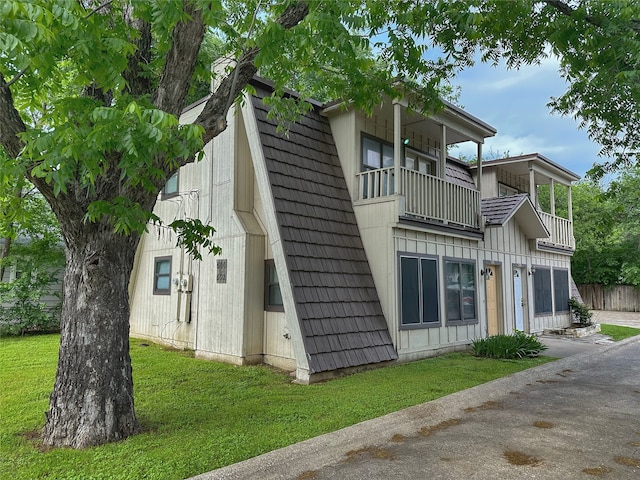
<point x="92" y="399"/>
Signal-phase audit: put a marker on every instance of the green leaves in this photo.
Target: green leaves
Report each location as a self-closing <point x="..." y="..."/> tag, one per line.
<point x="193" y="235"/>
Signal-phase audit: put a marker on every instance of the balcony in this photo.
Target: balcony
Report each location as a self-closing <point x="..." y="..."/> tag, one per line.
<point x="426" y="197"/>
<point x="561" y="230"/>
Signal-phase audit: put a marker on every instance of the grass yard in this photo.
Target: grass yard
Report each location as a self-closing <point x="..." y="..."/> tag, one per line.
<point x="617" y="332"/>
<point x="199" y="415"/>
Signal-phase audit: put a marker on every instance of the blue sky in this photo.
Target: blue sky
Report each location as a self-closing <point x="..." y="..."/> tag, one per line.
<point x="515" y="103"/>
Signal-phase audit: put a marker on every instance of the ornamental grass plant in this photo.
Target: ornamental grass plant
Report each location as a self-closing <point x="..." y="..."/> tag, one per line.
<point x="517" y="345"/>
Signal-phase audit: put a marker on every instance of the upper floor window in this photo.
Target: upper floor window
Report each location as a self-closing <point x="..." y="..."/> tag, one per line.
<point x="376" y="153"/>
<point x="414" y="160"/>
<point x="171" y="187"/>
<point x="505" y="191"/>
<point x="461" y="291"/>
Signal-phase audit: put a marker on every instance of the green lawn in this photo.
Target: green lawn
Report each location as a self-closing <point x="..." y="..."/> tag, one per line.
<point x="617" y="332"/>
<point x="199" y="415"/>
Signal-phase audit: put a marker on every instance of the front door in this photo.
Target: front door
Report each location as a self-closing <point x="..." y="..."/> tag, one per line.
<point x="491" y="282"/>
<point x="518" y="298"/>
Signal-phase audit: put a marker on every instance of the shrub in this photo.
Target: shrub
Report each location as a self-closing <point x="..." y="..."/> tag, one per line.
<point x="516" y="345"/>
<point x="580" y="312"/>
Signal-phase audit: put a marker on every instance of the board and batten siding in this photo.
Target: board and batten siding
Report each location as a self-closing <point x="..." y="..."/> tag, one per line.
<point x="508" y="246"/>
<point x="417" y="343"/>
<point x="277" y="342"/>
<point x="227" y="312"/>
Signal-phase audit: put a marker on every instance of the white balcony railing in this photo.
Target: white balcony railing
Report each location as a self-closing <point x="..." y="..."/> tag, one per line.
<point x="426" y="197"/>
<point x="561" y="230"/>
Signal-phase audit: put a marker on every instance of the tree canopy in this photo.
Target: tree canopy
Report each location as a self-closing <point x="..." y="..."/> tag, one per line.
<point x="607" y="231"/>
<point x="91" y="91"/>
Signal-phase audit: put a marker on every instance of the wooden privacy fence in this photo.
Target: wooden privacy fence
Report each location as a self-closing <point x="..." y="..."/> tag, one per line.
<point x="617" y="298"/>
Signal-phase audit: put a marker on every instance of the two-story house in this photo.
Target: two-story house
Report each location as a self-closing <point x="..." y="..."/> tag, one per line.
<point x="353" y="241"/>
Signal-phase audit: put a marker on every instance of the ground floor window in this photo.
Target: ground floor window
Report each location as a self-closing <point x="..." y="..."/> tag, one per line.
<point x="561" y="290"/>
<point x="162" y="276"/>
<point x="418" y="291"/>
<point x="460" y="278"/>
<point x="542" y="291"/>
<point x="272" y="295"/>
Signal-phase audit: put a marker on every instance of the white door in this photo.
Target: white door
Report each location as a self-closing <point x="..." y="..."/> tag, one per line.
<point x="518" y="298"/>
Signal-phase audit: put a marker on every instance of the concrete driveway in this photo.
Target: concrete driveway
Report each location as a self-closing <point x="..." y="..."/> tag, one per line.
<point x="578" y="417"/>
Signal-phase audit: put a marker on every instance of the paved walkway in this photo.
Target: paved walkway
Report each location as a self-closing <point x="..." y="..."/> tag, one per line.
<point x="576" y="418"/>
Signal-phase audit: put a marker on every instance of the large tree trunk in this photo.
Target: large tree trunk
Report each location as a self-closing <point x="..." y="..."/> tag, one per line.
<point x="92" y="399"/>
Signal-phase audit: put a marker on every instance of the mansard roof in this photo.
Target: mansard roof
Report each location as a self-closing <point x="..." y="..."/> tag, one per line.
<point x="336" y="301"/>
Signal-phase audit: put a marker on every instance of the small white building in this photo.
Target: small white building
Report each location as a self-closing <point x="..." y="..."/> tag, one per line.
<point x="352" y="241"/>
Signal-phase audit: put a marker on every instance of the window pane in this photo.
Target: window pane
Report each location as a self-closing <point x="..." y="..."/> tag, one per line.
<point x="561" y="290"/>
<point x="453" y="304"/>
<point x="387" y="155"/>
<point x="370" y="153"/>
<point x="410" y="291"/>
<point x="163" y="267"/>
<point x="429" y="290"/>
<point x="162" y="282"/>
<point x="468" y="304"/>
<point x="453" y="275"/>
<point x="468" y="275"/>
<point x="275" y="297"/>
<point x="542" y="290"/>
<point x="172" y="184"/>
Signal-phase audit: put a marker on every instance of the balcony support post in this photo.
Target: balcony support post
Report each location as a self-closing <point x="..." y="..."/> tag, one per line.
<point x="479" y="187"/>
<point x="533" y="193"/>
<point x="397" y="145"/>
<point x="443" y="152"/>
<point x="552" y="206"/>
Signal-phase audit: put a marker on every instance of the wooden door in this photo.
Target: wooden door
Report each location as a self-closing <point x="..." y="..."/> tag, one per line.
<point x="493" y="318"/>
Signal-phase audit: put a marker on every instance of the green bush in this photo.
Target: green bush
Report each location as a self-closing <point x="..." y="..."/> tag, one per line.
<point x="516" y="345"/>
<point x="580" y="312"/>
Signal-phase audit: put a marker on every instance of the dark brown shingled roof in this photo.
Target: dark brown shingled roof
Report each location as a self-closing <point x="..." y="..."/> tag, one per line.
<point x="498" y="210"/>
<point x="337" y="305"/>
<point x="458" y="174"/>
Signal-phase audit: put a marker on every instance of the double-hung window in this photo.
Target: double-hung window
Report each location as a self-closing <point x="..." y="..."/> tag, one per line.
<point x="461" y="291"/>
<point x="418" y="291"/>
<point x="162" y="276"/>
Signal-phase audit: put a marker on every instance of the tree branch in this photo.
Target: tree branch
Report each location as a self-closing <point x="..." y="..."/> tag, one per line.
<point x="213" y="117"/>
<point x="569" y="11"/>
<point x="180" y="63"/>
<point x="11" y="124"/>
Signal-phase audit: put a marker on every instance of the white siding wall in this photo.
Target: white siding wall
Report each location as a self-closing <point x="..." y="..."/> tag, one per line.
<point x="226" y="317"/>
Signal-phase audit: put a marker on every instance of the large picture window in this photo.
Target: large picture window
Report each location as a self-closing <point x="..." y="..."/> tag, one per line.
<point x="418" y="291"/>
<point x="461" y="291"/>
<point x="542" y="291"/>
<point x="162" y="276"/>
<point x="561" y="290"/>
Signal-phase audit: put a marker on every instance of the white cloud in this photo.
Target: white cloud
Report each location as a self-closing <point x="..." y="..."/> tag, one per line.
<point x="515" y="103"/>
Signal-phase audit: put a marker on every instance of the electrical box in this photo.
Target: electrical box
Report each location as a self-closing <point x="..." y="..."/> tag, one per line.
<point x="186" y="283"/>
<point x="175" y="281"/>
